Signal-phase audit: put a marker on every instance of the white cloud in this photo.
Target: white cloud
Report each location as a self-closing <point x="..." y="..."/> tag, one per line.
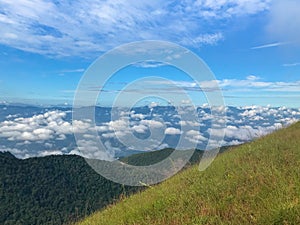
<point x="248" y="113"/>
<point x="152" y="123"/>
<point x="206" y="39"/>
<point x="153" y="104"/>
<point x="53" y="152"/>
<point x="252" y="77"/>
<point x="47" y="129"/>
<point x="185" y="101"/>
<point x="90" y="149"/>
<point x="15" y="151"/>
<point x="291" y="64"/>
<point x="228" y="8"/>
<point x="189" y="123"/>
<point x="73" y="71"/>
<point x="234" y="142"/>
<point x="140" y="128"/>
<point x="254" y="84"/>
<point x="122" y="129"/>
<point x="276" y="44"/>
<point x="137" y="116"/>
<point x="149" y="64"/>
<point x="172" y="131"/>
<point x="70" y="71"/>
<point x="250" y="83"/>
<point x="82" y="28"/>
<point x="41" y="127"/>
<point x="195" y="136"/>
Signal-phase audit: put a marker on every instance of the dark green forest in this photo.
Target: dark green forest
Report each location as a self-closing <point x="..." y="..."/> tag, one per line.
<point x="52" y="190"/>
<point x="60" y="189"/>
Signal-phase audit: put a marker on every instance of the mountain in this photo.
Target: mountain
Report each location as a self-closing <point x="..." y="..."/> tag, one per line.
<point x="61" y="189"/>
<point x="52" y="190"/>
<point x="255" y="183"/>
<point x="149" y="158"/>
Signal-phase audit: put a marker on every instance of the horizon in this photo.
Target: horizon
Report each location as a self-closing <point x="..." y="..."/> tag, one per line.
<point x="204" y="105"/>
<point x="251" y="48"/>
<point x="30" y="131"/>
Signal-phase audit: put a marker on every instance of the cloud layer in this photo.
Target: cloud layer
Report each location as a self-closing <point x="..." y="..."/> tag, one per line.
<point x="142" y="129"/>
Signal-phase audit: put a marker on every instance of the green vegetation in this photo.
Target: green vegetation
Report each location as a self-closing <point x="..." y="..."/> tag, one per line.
<point x="60" y="189"/>
<point x="52" y="190"/>
<point x="255" y="183"/>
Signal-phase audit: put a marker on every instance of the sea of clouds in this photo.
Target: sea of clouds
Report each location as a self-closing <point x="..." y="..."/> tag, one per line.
<point x="34" y="131"/>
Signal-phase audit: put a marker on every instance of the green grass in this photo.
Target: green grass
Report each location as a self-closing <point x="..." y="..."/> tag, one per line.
<point x="255" y="183"/>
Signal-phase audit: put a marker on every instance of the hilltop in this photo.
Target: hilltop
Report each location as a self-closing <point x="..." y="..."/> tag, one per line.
<point x="255" y="183"/>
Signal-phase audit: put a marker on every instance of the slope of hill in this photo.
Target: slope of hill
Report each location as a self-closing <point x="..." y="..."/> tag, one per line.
<point x="256" y="183"/>
<point x="60" y="189"/>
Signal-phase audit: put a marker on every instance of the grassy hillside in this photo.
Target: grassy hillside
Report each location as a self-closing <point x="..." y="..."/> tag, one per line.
<point x="256" y="183"/>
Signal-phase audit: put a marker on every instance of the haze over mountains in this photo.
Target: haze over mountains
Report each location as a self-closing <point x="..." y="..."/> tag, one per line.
<point x="28" y="131"/>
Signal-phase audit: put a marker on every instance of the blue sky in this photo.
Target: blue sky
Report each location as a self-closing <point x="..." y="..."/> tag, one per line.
<point x="252" y="46"/>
